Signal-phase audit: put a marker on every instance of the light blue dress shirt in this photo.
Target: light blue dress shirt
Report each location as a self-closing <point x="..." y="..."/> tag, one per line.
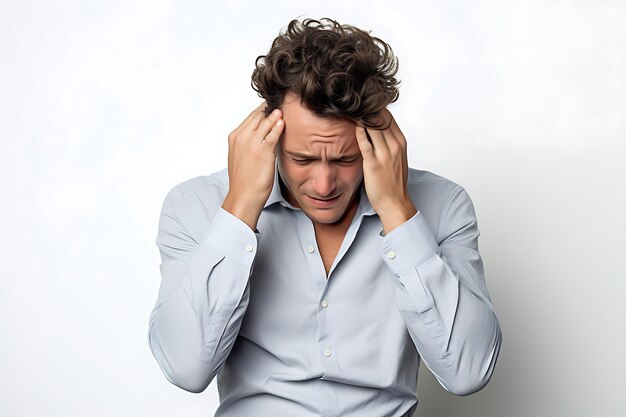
<point x="258" y="310"/>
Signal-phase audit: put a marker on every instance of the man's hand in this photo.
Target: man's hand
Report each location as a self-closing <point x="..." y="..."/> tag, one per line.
<point x="385" y="172"/>
<point x="251" y="159"/>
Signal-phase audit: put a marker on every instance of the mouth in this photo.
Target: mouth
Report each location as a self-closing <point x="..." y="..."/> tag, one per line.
<point x="324" y="202"/>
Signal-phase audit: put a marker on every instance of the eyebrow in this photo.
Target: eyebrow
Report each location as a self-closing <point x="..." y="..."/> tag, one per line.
<point x="307" y="156"/>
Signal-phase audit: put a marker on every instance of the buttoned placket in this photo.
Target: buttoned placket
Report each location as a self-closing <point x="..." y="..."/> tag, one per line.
<point x="321" y="284"/>
<point x="314" y="268"/>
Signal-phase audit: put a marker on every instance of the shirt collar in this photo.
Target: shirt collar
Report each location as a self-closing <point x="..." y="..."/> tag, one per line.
<point x="276" y="196"/>
<point x="364" y="208"/>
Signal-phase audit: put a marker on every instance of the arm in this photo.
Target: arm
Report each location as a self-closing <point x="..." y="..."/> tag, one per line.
<point x="441" y="294"/>
<point x="203" y="296"/>
<point x="441" y="290"/>
<point x="204" y="289"/>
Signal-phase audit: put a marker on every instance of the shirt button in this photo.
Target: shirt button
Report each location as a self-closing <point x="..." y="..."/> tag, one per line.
<point x="391" y="254"/>
<point x="324" y="303"/>
<point x="327" y="353"/>
<point x="311" y="249"/>
<point x="249" y="248"/>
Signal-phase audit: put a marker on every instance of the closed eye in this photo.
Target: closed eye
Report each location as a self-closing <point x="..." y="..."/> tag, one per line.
<point x="347" y="161"/>
<point x="301" y="161"/>
<point x="305" y="160"/>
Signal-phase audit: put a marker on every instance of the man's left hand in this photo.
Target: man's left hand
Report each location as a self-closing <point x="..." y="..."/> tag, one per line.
<point x="385" y="172"/>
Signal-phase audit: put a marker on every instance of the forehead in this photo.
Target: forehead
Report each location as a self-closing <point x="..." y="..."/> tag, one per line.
<point x="306" y="131"/>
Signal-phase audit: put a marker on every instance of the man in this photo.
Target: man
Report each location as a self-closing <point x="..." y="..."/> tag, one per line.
<point x="315" y="274"/>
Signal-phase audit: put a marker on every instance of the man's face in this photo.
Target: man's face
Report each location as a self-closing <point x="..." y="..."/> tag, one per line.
<point x="319" y="162"/>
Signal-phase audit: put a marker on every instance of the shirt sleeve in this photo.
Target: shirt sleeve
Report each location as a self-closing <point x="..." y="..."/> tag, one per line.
<point x="203" y="295"/>
<point x="442" y="295"/>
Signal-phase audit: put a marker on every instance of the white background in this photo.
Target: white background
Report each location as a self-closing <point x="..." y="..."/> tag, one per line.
<point x="106" y="105"/>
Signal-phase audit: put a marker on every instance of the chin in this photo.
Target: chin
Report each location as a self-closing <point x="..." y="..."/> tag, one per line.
<point x="325" y="219"/>
<point x="324" y="216"/>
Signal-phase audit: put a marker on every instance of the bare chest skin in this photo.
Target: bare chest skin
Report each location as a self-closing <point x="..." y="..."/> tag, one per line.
<point x="329" y="237"/>
<point x="329" y="244"/>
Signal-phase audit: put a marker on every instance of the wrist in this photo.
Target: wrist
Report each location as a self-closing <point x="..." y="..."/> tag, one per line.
<point x="396" y="215"/>
<point x="246" y="211"/>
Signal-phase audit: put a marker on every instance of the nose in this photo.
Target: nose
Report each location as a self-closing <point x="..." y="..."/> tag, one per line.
<point x="324" y="183"/>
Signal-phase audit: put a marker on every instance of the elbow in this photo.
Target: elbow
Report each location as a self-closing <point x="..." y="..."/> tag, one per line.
<point x="473" y="377"/>
<point x="188" y="379"/>
<point x="467" y="385"/>
<point x="186" y="371"/>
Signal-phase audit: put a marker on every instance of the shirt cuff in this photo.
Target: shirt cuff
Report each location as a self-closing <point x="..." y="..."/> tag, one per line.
<point x="230" y="236"/>
<point x="409" y="245"/>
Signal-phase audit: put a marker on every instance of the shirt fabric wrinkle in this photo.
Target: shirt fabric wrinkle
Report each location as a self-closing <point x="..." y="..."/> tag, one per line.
<point x="390" y="301"/>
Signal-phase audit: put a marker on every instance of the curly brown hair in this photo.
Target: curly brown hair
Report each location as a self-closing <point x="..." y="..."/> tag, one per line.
<point x="336" y="70"/>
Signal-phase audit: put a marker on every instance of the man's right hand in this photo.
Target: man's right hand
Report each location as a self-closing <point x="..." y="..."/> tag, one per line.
<point x="251" y="159"/>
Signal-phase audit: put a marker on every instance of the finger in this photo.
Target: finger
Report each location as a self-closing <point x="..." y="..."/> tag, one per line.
<point x="365" y="146"/>
<point x="252" y="115"/>
<point x="399" y="137"/>
<point x="397" y="132"/>
<point x="378" y="141"/>
<point x="267" y="124"/>
<point x="392" y="134"/>
<point x="271" y="139"/>
<point x="391" y="141"/>
<point x="230" y="164"/>
<point x="249" y="129"/>
<point x="252" y="122"/>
